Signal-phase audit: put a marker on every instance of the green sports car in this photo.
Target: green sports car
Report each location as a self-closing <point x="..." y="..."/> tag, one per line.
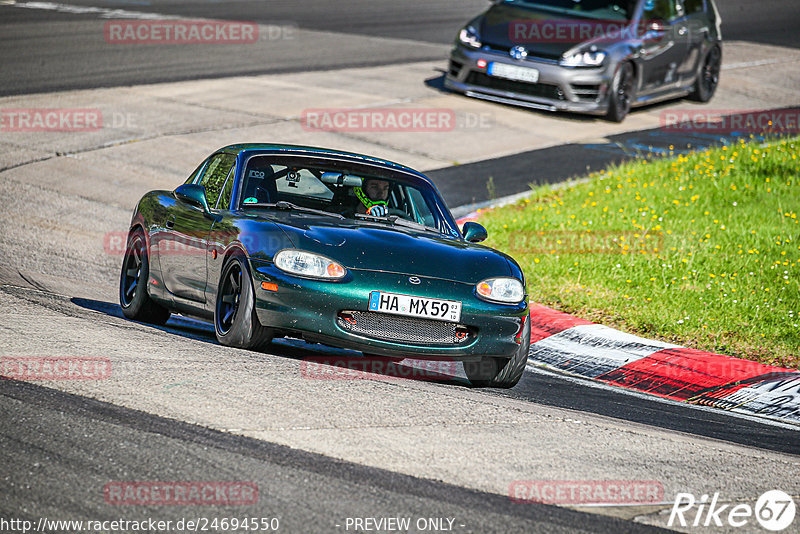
<point x="331" y="247"/>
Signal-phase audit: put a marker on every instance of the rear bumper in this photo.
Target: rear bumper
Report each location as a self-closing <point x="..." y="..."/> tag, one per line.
<point x="580" y="90"/>
<point x="309" y="309"/>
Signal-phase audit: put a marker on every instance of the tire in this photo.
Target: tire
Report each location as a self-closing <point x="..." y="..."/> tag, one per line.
<point x="708" y="77"/>
<point x="235" y="321"/>
<point x="622" y="93"/>
<point x="133" y="298"/>
<point x="501" y="373"/>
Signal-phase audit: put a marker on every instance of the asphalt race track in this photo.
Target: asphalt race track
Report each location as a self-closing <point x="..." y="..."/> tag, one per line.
<point x="180" y="407"/>
<point x="308" y="492"/>
<point x="33" y="39"/>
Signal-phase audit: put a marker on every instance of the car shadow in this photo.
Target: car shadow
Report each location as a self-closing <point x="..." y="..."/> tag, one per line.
<point x="177" y="324"/>
<point x="437" y="82"/>
<point x="318" y="361"/>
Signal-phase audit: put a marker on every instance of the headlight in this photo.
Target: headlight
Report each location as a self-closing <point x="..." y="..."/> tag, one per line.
<point x="469" y="37"/>
<point x="506" y="290"/>
<point x="308" y="264"/>
<point x="584" y="58"/>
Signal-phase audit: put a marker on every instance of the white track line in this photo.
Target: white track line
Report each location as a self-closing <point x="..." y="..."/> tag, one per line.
<point x="757" y="63"/>
<point x="102" y="12"/>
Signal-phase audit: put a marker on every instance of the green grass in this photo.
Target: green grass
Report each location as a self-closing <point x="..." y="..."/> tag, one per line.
<point x="701" y="250"/>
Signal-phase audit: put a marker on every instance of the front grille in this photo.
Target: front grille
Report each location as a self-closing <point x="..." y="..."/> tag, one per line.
<point x="544" y="90"/>
<point x="533" y="55"/>
<point x="403" y="329"/>
<point x="586" y="91"/>
<point x="454" y="68"/>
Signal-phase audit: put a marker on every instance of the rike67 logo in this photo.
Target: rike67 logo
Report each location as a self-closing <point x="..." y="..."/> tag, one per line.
<point x="774" y="510"/>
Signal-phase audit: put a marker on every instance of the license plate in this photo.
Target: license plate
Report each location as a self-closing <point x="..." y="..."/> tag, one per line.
<point x="512" y="72"/>
<point x="442" y="310"/>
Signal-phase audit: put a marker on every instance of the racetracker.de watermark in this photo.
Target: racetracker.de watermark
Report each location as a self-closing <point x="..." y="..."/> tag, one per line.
<point x="586" y="242"/>
<point x="54" y="368"/>
<point x="715" y="121"/>
<point x="578" y="31"/>
<point x="115" y="243"/>
<point x="51" y="120"/>
<point x="189" y="32"/>
<point x="392" y="120"/>
<point x="683" y="363"/>
<point x="586" y="492"/>
<point x="63" y="120"/>
<point x="181" y="493"/>
<point x="355" y="368"/>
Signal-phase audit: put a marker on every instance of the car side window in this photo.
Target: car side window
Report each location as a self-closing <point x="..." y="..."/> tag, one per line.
<point x="227" y="191"/>
<point x="693" y="6"/>
<point x="217" y="171"/>
<point x="660" y="9"/>
<point x="197" y="172"/>
<point x="420" y="208"/>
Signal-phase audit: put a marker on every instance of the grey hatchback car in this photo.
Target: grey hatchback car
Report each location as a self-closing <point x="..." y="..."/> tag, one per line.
<point x="600" y="57"/>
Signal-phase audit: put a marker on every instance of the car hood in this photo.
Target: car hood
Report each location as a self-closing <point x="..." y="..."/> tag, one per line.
<point x="363" y="245"/>
<point x="499" y="26"/>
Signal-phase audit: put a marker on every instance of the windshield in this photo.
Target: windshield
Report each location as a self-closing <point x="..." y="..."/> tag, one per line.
<point x="358" y="192"/>
<point x="594" y="9"/>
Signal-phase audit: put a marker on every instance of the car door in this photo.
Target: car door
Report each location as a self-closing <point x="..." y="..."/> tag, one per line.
<point x="222" y="233"/>
<point x="183" y="253"/>
<point x="160" y="233"/>
<point x="664" y="45"/>
<point x="698" y="25"/>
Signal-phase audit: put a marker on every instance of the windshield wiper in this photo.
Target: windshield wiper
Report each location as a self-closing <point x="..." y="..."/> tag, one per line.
<point x="396" y="221"/>
<point x="537" y="6"/>
<point x="290" y="206"/>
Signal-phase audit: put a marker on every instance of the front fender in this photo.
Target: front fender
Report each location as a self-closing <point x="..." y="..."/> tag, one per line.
<point x="150" y="211"/>
<point x="258" y="240"/>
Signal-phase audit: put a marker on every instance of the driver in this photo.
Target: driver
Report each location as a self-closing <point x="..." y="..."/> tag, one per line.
<point x="373" y="194"/>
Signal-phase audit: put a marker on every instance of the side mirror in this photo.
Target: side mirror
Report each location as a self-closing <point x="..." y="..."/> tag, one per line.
<point x="194" y="195"/>
<point x="474" y="232"/>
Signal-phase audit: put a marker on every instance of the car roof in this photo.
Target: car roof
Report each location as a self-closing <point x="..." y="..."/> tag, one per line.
<point x="300" y="150"/>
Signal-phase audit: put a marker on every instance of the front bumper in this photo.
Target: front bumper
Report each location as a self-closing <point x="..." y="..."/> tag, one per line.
<point x="581" y="90"/>
<point x="310" y="308"/>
